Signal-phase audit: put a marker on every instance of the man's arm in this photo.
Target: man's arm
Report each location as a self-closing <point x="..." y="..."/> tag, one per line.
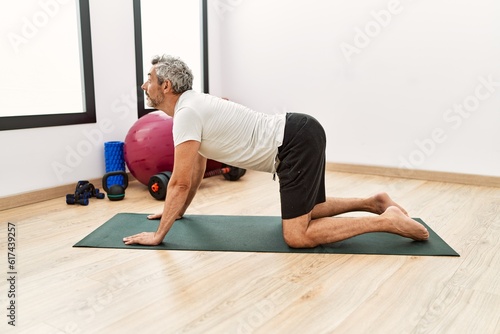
<point x="197" y="177"/>
<point x="179" y="191"/>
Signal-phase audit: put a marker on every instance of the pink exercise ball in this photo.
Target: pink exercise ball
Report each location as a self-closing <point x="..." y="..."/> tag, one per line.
<point x="149" y="146"/>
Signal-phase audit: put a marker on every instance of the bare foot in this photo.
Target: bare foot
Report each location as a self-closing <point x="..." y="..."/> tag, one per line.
<point x="401" y="224"/>
<point x="383" y="201"/>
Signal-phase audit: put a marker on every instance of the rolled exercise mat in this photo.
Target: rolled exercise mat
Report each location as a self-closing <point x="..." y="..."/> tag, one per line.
<point x="113" y="155"/>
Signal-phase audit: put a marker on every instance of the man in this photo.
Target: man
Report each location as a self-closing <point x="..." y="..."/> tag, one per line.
<point x="291" y="145"/>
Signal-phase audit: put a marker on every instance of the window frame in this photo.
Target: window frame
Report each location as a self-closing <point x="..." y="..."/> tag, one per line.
<point x="139" y="57"/>
<point x="61" y="119"/>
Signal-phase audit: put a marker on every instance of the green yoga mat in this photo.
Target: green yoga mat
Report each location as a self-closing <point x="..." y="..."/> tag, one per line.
<point x="251" y="234"/>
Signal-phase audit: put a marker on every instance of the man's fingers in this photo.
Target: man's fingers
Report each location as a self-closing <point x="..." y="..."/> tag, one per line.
<point x="158" y="216"/>
<point x="132" y="236"/>
<point x="155" y="216"/>
<point x="128" y="240"/>
<point x="144" y="238"/>
<point x="131" y="239"/>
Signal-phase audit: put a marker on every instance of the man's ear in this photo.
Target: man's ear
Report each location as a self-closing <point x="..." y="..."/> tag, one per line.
<point x="167" y="85"/>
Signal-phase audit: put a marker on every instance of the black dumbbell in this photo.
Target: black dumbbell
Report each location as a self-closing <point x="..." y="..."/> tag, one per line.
<point x="158" y="183"/>
<point x="84" y="190"/>
<point x="234" y="173"/>
<point x="72" y="199"/>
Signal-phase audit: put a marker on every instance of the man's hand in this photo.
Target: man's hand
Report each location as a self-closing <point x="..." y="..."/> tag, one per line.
<point x="144" y="238"/>
<point x="157" y="216"/>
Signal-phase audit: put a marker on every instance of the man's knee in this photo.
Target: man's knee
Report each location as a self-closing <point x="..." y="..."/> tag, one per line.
<point x="295" y="233"/>
<point x="297" y="241"/>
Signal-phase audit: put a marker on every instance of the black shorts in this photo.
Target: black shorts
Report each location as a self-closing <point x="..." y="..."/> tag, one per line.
<point x="301" y="168"/>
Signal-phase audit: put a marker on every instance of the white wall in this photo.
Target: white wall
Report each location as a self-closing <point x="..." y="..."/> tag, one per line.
<point x="279" y="55"/>
<point x="47" y="157"/>
<point x="391" y="97"/>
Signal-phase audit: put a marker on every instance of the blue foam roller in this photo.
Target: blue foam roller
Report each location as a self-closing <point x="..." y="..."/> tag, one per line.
<point x="113" y="155"/>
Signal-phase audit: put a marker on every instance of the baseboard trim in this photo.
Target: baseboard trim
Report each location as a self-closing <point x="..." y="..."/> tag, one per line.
<point x="37" y="196"/>
<point x="467" y="179"/>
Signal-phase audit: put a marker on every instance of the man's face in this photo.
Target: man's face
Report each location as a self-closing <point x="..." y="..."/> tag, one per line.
<point x="154" y="91"/>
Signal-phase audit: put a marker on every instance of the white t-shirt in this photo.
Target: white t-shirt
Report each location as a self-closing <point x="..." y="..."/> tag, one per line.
<point x="228" y="132"/>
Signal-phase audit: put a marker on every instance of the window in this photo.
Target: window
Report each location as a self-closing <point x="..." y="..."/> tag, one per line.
<point x="177" y="28"/>
<point x="45" y="64"/>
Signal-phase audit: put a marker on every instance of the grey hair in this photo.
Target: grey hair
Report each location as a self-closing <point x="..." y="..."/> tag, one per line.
<point x="174" y="70"/>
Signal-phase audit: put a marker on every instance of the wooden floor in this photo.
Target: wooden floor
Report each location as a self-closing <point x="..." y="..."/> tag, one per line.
<point x="61" y="289"/>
